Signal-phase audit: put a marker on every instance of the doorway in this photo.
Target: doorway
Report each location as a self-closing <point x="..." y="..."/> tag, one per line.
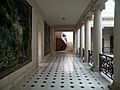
<point x="64" y="41"/>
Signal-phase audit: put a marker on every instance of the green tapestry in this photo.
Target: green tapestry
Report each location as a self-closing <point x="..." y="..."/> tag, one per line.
<point x="15" y="35"/>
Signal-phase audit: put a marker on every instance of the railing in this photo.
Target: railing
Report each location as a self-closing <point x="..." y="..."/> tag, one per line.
<point x="83" y="53"/>
<point x="90" y="56"/>
<point x="106" y="65"/>
<point x="107" y="50"/>
<point x="111" y="51"/>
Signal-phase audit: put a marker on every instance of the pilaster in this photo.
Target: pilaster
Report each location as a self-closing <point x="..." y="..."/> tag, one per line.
<point x="116" y="81"/>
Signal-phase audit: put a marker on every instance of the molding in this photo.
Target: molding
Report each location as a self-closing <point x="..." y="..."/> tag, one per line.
<point x="108" y="28"/>
<point x="89" y="11"/>
<point x="100" y="4"/>
<point x="87" y="14"/>
<point x="56" y="26"/>
<point x="39" y="11"/>
<point x="64" y="30"/>
<point x="64" y="27"/>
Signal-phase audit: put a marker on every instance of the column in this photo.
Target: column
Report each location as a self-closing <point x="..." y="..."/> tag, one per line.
<point x="87" y="39"/>
<point x="80" y="41"/>
<point x="97" y="38"/>
<point x="76" y="43"/>
<point x="78" y="36"/>
<point x="82" y="32"/>
<point x="116" y="81"/>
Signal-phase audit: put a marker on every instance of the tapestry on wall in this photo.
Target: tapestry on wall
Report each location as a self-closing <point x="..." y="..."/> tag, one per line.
<point x="46" y="39"/>
<point x="15" y="35"/>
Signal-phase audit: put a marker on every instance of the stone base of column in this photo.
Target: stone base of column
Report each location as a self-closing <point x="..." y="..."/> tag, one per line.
<point x="114" y="86"/>
<point x="84" y="60"/>
<point x="95" y="69"/>
<point x="85" y="57"/>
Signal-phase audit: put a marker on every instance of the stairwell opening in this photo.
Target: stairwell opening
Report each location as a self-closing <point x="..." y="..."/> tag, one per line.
<point x="64" y="41"/>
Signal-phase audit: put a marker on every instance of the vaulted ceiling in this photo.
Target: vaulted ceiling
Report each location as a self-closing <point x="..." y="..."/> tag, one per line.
<point x="62" y="12"/>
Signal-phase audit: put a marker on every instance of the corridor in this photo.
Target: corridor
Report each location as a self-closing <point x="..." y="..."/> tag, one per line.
<point x="64" y="71"/>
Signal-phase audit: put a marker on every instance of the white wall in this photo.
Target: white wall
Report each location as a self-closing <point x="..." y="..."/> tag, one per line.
<point x="8" y="82"/>
<point x="107" y="32"/>
<point x="52" y="41"/>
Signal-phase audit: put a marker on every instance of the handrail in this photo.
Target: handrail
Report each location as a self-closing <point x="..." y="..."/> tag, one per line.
<point x="107" y="50"/>
<point x="63" y="37"/>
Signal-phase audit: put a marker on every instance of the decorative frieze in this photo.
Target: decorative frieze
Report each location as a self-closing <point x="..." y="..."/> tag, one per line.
<point x="107" y="18"/>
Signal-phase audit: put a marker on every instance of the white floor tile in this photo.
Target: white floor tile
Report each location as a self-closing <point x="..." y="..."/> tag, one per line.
<point x="64" y="72"/>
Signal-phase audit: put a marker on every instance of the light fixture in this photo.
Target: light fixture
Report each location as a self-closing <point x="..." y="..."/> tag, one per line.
<point x="63" y="18"/>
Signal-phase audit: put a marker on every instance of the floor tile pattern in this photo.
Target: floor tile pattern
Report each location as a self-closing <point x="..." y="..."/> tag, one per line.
<point x="64" y="71"/>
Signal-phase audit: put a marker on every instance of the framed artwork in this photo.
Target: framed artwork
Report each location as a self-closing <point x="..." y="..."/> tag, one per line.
<point x="46" y="39"/>
<point x="15" y="35"/>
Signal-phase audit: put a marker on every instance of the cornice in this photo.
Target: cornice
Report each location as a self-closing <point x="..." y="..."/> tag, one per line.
<point x="39" y="11"/>
<point x="64" y="27"/>
<point x="89" y="11"/>
<point x="70" y="25"/>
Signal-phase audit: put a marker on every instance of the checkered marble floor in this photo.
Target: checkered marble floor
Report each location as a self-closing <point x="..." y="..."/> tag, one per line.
<point x="64" y="71"/>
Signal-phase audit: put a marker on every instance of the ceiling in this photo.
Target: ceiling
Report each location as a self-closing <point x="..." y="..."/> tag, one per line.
<point x="62" y="12"/>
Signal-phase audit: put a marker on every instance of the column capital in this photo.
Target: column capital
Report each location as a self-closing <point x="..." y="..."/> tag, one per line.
<point x="88" y="18"/>
<point x="82" y="23"/>
<point x="100" y="5"/>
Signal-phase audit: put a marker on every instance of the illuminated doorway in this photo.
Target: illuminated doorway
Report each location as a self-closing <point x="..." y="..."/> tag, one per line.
<point x="64" y="41"/>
